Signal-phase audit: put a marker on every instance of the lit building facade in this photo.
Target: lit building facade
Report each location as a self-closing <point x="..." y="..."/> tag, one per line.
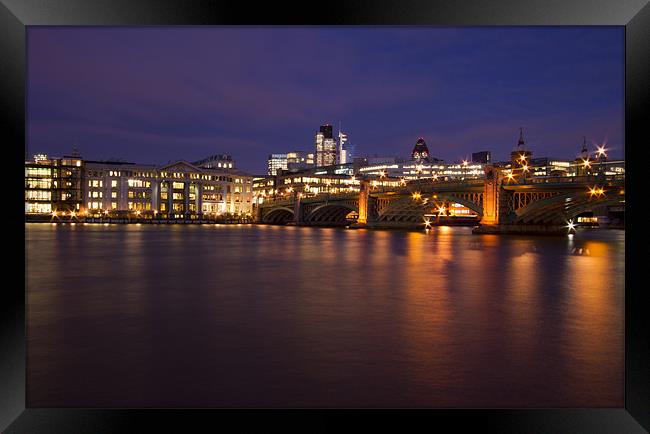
<point x="299" y="160"/>
<point x="346" y="149"/>
<point x="326" y="149"/>
<point x="208" y="188"/>
<point x="53" y="185"/>
<point x="275" y="162"/>
<point x="414" y="170"/>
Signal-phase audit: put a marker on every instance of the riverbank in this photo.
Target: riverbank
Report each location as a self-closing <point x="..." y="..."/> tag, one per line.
<point x="154" y="221"/>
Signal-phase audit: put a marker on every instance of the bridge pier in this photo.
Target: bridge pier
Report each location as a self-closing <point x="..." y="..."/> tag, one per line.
<point x="492" y="194"/>
<point x="298" y="210"/>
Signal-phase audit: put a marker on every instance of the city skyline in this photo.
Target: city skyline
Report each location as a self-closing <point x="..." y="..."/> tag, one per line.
<point x="152" y="95"/>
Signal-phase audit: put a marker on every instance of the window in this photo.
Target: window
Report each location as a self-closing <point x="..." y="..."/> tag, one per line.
<point x="38" y="208"/>
<point x="114" y="183"/>
<point x="38" y="195"/>
<point x="113" y="205"/>
<point x="138" y="183"/>
<point x="114" y="194"/>
<point x="178" y="185"/>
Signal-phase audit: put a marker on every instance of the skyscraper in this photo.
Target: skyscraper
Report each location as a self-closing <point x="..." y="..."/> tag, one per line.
<point x="326" y="152"/>
<point x="420" y="151"/>
<point x="346" y="149"/>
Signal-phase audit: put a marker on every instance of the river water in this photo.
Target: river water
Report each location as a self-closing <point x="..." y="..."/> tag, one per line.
<point x="270" y="316"/>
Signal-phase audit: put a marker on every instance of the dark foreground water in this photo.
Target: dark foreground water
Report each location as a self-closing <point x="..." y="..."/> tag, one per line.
<point x="267" y="316"/>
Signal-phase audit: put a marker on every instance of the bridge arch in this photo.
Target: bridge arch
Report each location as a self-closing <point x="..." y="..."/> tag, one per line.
<point x="557" y="210"/>
<point x="406" y="210"/>
<point x="330" y="213"/>
<point x="476" y="207"/>
<point x="278" y="215"/>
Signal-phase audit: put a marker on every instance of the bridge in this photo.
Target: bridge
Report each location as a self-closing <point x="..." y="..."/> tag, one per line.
<point x="496" y="204"/>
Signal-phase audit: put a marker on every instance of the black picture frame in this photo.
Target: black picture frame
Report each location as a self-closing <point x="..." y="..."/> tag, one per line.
<point x="15" y="15"/>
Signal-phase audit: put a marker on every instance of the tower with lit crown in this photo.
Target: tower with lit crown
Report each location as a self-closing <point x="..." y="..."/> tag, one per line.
<point x="420" y="151"/>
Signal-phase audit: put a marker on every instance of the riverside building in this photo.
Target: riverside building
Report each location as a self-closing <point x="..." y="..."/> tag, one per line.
<point x="53" y="185"/>
<point x="205" y="189"/>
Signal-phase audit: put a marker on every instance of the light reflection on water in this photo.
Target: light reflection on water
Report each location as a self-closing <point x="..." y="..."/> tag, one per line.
<point x="206" y="316"/>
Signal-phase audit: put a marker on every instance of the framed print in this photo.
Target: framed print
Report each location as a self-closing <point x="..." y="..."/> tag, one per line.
<point x="386" y="206"/>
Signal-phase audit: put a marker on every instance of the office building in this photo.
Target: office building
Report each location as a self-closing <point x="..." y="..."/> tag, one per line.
<point x="275" y="162"/>
<point x="53" y="185"/>
<point x="326" y="149"/>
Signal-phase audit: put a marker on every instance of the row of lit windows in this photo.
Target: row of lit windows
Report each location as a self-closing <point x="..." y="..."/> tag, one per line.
<point x="139" y="195"/>
<point x="42" y="208"/>
<point x="139" y="183"/>
<point x="139" y="206"/>
<point x="38" y="195"/>
<point x="37" y="171"/>
<point x="40" y="183"/>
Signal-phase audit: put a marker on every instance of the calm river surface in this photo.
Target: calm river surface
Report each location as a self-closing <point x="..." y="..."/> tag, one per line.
<point x="269" y="316"/>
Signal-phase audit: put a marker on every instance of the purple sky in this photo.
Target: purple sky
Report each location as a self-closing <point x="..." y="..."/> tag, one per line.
<point x="155" y="94"/>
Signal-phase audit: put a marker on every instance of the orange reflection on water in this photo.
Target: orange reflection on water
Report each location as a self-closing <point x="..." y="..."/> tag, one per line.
<point x="595" y="333"/>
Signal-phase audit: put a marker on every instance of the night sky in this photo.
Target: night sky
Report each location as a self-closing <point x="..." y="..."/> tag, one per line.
<point x="151" y="95"/>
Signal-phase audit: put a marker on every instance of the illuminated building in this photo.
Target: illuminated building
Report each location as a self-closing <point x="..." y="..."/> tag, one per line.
<point x="209" y="187"/>
<point x="53" y="184"/>
<point x="420" y="151"/>
<point x="275" y="162"/>
<point x="346" y="149"/>
<point x="415" y="170"/>
<point x="326" y="152"/>
<point x="299" y="160"/>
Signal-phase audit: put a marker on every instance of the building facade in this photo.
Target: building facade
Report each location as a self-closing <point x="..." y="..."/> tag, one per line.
<point x="53" y="185"/>
<point x="326" y="149"/>
<point x="207" y="189"/>
<point x="275" y="162"/>
<point x="482" y="157"/>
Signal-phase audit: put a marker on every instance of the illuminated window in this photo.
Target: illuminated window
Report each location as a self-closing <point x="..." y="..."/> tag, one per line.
<point x="38" y="208"/>
<point x="178" y="185"/>
<point x="38" y="195"/>
<point x="113" y="205"/>
<point x="113" y="183"/>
